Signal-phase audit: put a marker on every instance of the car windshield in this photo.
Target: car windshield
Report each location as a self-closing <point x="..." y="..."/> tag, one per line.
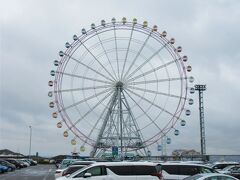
<point x="227" y="168"/>
<point x="194" y="177"/>
<point x="77" y="172"/>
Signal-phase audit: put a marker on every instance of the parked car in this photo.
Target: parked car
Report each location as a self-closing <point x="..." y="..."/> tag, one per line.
<point x="179" y="171"/>
<point x="31" y="162"/>
<point x="211" y="176"/>
<point x="233" y="170"/>
<point x="117" y="171"/>
<point x="11" y="167"/>
<point x="3" y="169"/>
<point x="220" y="165"/>
<point x="25" y="164"/>
<point x="59" y="172"/>
<point x="34" y="163"/>
<point x="15" y="162"/>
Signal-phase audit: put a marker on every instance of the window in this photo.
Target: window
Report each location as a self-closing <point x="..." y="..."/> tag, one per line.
<point x="188" y="170"/>
<point x="170" y="169"/>
<point x="122" y="170"/>
<point x="205" y="170"/>
<point x="95" y="171"/>
<point x="144" y="170"/>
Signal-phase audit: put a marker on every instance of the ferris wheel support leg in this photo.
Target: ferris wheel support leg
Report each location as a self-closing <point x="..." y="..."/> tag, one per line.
<point x="112" y="102"/>
<point x="140" y="136"/>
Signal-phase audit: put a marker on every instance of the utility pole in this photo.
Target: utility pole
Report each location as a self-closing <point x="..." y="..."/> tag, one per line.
<point x="30" y="143"/>
<point x="200" y="89"/>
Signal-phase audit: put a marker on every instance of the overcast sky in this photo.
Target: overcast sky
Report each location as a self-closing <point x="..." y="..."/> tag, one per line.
<point x="32" y="33"/>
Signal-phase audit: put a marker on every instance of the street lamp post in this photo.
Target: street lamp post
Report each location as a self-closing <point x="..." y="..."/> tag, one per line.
<point x="30" y="143"/>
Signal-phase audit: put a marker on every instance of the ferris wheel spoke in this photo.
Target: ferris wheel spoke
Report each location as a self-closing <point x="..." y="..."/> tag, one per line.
<point x="154" y="70"/>
<point x="157" y="92"/>
<point x="85" y="99"/>
<point x="139" y="52"/>
<point x="90" y="52"/>
<point x="144" y="113"/>
<point x="157" y="106"/>
<point x="84" y="77"/>
<point x="90" y="110"/>
<point x="158" y="80"/>
<point x="145" y="62"/>
<point x="129" y="42"/>
<point x="97" y="72"/>
<point x="82" y="89"/>
<point x="105" y="52"/>
<point x="116" y="49"/>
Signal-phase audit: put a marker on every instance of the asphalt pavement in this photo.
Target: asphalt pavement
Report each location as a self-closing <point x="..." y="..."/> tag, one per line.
<point x="39" y="172"/>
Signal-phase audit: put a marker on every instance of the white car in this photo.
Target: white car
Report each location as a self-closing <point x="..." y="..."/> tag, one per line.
<point x="220" y="165"/>
<point x="64" y="164"/>
<point x="229" y="169"/>
<point x="60" y="172"/>
<point x="117" y="171"/>
<point x="211" y="176"/>
<point x="179" y="171"/>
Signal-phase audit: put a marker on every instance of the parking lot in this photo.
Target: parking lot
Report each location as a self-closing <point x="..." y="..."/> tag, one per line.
<point x="39" y="172"/>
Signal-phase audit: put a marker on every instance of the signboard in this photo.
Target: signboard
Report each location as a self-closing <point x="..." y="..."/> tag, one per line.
<point x="114" y="150"/>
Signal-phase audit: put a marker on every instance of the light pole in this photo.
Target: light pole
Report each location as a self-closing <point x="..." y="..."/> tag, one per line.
<point x="30" y="143"/>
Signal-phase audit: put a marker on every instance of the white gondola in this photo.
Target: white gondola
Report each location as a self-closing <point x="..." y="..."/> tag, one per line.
<point x="56" y="63"/>
<point x="73" y="142"/>
<point x="134" y="21"/>
<point x="176" y="132"/>
<point x="103" y="22"/>
<point x="188" y="112"/>
<point x="145" y="24"/>
<point x="183" y="123"/>
<point x="172" y="40"/>
<point x="168" y="140"/>
<point x="184" y="58"/>
<point x="113" y="20"/>
<point x="65" y="134"/>
<point x="59" y="125"/>
<point x="51" y="104"/>
<point x="164" y="33"/>
<point x="50" y="94"/>
<point x="155" y="28"/>
<point x="189" y="68"/>
<point x="93" y="26"/>
<point x="124" y="20"/>
<point x="52" y="72"/>
<point x="179" y="49"/>
<point x="54" y="115"/>
<point x="50" y="83"/>
<point x="190" y="102"/>
<point x="192" y="90"/>
<point x="61" y="53"/>
<point x="67" y="45"/>
<point x="75" y="37"/>
<point x="84" y="31"/>
<point x="191" y="79"/>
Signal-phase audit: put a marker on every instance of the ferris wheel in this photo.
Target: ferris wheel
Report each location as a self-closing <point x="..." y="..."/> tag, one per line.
<point x="120" y="84"/>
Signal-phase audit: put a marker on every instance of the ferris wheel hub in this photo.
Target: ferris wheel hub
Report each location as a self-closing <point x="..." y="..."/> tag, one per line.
<point x="119" y="84"/>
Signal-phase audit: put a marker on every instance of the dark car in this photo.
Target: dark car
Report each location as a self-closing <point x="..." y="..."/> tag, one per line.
<point x="15" y="162"/>
<point x="11" y="167"/>
<point x="21" y="163"/>
<point x="3" y="169"/>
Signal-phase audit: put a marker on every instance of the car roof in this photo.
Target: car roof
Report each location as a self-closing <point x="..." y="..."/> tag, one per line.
<point x="225" y="162"/>
<point x="184" y="164"/>
<point x="124" y="163"/>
